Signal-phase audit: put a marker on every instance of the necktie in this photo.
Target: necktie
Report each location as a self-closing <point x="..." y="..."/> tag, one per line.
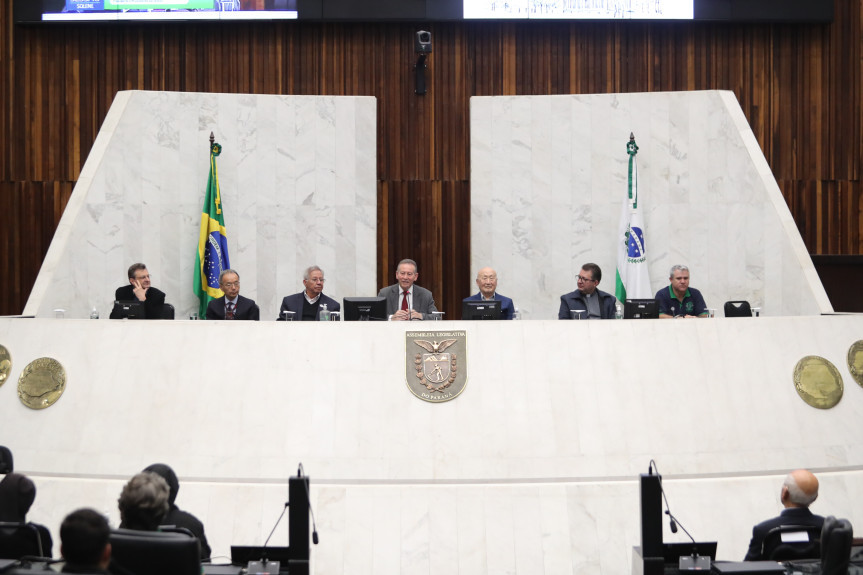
<point x="405" y="300"/>
<point x="229" y="314"/>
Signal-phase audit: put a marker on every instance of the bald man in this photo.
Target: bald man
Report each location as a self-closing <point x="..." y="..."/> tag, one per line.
<point x="799" y="490"/>
<point x="486" y="281"/>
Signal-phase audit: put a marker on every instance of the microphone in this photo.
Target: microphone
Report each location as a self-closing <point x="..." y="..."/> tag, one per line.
<point x="673" y="522"/>
<point x="264" y="548"/>
<point x="309" y="499"/>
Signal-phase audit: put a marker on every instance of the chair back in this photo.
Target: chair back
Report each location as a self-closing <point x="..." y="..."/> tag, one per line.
<point x="155" y="552"/>
<point x="836" y="538"/>
<point x="737" y="309"/>
<point x="19" y="540"/>
<point x="167" y="311"/>
<point x="790" y="542"/>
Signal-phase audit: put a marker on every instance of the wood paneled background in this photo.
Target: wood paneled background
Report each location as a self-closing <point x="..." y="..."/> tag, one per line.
<point x="799" y="86"/>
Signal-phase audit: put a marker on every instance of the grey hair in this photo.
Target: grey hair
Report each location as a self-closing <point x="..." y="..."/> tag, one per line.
<point x="797" y="495"/>
<point x="675" y="268"/>
<point x="408" y="261"/>
<point x="228" y="271"/>
<point x="308" y="273"/>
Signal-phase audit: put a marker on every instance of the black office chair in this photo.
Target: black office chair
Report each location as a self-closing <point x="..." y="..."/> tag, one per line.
<point x="738" y="309"/>
<point x="167" y="311"/>
<point x="836" y="538"/>
<point x="19" y="540"/>
<point x="808" y="547"/>
<point x="156" y="552"/>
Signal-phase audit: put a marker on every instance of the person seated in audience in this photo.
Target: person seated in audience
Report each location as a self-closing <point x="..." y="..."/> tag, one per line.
<point x="678" y="299"/>
<point x="177" y="517"/>
<point x="486" y="281"/>
<point x="139" y="289"/>
<point x="143" y="502"/>
<point x="307" y="303"/>
<point x="84" y="542"/>
<point x="17" y="493"/>
<point x="232" y="305"/>
<point x="799" y="490"/>
<point x="594" y="303"/>
<point x="6" y="461"/>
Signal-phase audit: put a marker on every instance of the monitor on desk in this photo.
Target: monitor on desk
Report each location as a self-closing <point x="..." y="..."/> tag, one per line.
<point x="475" y="309"/>
<point x="128" y="310"/>
<point x="640" y="309"/>
<point x="364" y="308"/>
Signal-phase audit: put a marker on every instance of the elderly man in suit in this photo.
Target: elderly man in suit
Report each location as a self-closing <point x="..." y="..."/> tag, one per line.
<point x="232" y="305"/>
<point x="405" y="299"/>
<point x="486" y="281"/>
<point x="799" y="491"/>
<point x="306" y="305"/>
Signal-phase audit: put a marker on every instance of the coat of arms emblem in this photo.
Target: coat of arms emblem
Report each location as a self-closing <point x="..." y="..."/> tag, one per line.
<point x="436" y="364"/>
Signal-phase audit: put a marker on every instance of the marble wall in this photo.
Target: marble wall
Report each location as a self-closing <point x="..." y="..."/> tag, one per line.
<point x="298" y="184"/>
<point x="532" y="469"/>
<point x="549" y="174"/>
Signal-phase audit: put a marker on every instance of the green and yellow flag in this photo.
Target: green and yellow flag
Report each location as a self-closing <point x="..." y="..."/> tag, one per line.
<point x="212" y="256"/>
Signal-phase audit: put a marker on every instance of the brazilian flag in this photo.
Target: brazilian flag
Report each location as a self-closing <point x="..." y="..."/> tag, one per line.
<point x="212" y="256"/>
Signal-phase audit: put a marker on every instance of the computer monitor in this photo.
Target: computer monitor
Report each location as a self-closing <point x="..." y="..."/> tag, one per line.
<point x="128" y="310"/>
<point x="474" y="309"/>
<point x="640" y="309"/>
<point x="364" y="309"/>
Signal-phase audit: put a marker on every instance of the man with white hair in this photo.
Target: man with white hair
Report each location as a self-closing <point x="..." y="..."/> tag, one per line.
<point x="799" y="490"/>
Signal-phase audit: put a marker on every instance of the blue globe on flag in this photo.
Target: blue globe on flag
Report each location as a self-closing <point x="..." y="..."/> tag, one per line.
<point x="635" y="246"/>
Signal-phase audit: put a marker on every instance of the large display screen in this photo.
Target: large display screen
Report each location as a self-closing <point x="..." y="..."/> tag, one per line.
<point x="580" y="9"/>
<point x="97" y="10"/>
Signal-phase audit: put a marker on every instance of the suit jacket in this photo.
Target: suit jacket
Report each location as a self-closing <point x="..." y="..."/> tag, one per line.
<point x="789" y="516"/>
<point x="246" y="309"/>
<point x="153" y="302"/>
<point x="574" y="300"/>
<point x="423" y="300"/>
<point x="506" y="305"/>
<point x="295" y="303"/>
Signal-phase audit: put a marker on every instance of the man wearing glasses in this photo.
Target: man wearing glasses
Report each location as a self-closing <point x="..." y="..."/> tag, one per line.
<point x="306" y="305"/>
<point x="232" y="305"/>
<point x="587" y="302"/>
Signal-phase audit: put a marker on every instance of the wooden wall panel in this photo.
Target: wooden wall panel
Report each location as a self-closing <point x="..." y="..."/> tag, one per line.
<point x="799" y="86"/>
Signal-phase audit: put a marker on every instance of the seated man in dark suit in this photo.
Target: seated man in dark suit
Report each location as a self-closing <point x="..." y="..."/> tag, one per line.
<point x="232" y="305"/>
<point x="587" y="299"/>
<point x="84" y="542"/>
<point x="486" y="281"/>
<point x="405" y="299"/>
<point x="799" y="490"/>
<point x="306" y="305"/>
<point x="177" y="517"/>
<point x="139" y="289"/>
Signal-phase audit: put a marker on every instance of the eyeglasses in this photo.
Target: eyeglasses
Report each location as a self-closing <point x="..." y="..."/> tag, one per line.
<point x="231" y="284"/>
<point x="584" y="279"/>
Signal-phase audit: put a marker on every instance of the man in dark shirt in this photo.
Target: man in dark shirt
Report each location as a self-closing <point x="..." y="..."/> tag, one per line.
<point x="798" y="492"/>
<point x="306" y="305"/>
<point x="587" y="302"/>
<point x="678" y="299"/>
<point x="139" y="289"/>
<point x="176" y="517"/>
<point x="84" y="542"/>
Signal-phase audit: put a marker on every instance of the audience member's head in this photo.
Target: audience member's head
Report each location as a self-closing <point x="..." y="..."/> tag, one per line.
<point x="84" y="538"/>
<point x="17" y="493"/>
<point x="799" y="489"/>
<point x="165" y="472"/>
<point x="6" y="465"/>
<point x="143" y="502"/>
